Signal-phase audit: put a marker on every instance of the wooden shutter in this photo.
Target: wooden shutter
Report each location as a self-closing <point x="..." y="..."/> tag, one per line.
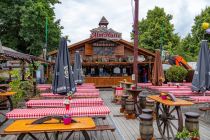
<point x="88" y="49"/>
<point x="119" y="50"/>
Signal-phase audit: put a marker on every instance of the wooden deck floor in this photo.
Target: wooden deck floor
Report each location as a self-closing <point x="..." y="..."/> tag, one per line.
<point x="129" y="129"/>
<point x="125" y="129"/>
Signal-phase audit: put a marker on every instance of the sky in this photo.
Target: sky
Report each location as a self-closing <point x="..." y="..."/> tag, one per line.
<point x="78" y="17"/>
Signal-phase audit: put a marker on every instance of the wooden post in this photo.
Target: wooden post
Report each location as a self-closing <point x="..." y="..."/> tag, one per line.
<point x="10" y="76"/>
<point x="34" y="78"/>
<point x="23" y="69"/>
<point x="136" y="34"/>
<point x="150" y="68"/>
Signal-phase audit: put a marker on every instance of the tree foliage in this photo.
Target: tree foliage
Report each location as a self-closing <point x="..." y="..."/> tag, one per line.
<point x="156" y="30"/>
<point x="22" y="25"/>
<point x="190" y="45"/>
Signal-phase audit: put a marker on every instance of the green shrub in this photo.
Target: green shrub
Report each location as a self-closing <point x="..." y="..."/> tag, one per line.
<point x="176" y="74"/>
<point x="23" y="89"/>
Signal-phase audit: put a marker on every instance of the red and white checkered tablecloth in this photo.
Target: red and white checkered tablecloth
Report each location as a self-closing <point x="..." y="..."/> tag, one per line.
<point x="43" y="89"/>
<point x="49" y="86"/>
<point x="173" y="89"/>
<point x="86" y="87"/>
<point x="90" y="94"/>
<point x="201" y="99"/>
<point x="76" y="95"/>
<point x="51" y="95"/>
<point x="88" y="84"/>
<point x="166" y="86"/>
<point x="187" y="93"/>
<point x="118" y="91"/>
<point x="44" y="85"/>
<point x="87" y="90"/>
<point x="147" y="85"/>
<point x="59" y="102"/>
<point x="42" y="112"/>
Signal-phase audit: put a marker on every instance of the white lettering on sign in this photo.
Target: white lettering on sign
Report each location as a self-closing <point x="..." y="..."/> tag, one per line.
<point x="107" y="35"/>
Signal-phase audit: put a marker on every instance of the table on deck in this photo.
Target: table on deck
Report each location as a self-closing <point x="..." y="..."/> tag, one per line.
<point x="135" y="93"/>
<point x="8" y="99"/>
<point x="25" y="127"/>
<point x="126" y="85"/>
<point x="167" y="113"/>
<point x="4" y="86"/>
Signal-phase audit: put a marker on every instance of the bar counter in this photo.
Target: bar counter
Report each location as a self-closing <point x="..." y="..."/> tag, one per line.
<point x="108" y="81"/>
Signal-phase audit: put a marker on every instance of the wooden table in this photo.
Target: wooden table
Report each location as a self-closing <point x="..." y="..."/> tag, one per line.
<point x="125" y="85"/>
<point x="8" y="99"/>
<point x="135" y="93"/>
<point x="4" y="86"/>
<point x="25" y="127"/>
<point x="168" y="115"/>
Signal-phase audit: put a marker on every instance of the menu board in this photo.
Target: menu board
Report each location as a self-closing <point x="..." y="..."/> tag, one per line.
<point x="103" y="50"/>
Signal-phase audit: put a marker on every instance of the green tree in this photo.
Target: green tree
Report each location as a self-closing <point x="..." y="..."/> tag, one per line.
<point x="22" y="25"/>
<point x="187" y="48"/>
<point x="156" y="30"/>
<point x="198" y="33"/>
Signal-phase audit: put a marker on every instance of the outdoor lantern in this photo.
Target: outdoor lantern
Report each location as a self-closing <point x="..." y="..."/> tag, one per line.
<point x="208" y="31"/>
<point x="205" y="25"/>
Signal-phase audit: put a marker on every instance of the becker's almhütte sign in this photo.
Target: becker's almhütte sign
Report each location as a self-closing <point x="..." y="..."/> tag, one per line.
<point x="105" y="33"/>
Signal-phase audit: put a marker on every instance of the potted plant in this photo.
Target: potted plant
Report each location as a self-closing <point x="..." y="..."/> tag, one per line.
<point x="183" y="135"/>
<point x="195" y="135"/>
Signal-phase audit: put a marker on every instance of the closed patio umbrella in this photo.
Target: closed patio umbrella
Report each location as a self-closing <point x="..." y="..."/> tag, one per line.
<point x="201" y="77"/>
<point x="63" y="81"/>
<point x="158" y="75"/>
<point x="78" y="69"/>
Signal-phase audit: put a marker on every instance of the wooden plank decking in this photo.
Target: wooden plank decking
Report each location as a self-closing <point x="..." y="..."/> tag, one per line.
<point x="125" y="129"/>
<point x="129" y="129"/>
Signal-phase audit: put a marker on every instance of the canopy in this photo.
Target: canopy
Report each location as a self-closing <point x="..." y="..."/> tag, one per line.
<point x="63" y="81"/>
<point x="201" y="77"/>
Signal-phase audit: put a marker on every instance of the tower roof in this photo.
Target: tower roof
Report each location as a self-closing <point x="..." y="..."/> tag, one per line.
<point x="103" y="21"/>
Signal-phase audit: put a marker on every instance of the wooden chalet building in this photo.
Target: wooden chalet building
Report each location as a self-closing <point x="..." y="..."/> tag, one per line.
<point x="108" y="59"/>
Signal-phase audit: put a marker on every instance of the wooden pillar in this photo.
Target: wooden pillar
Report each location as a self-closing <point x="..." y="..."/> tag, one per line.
<point x="150" y="69"/>
<point x="34" y="77"/>
<point x="23" y="69"/>
<point x="136" y="41"/>
<point x="10" y="76"/>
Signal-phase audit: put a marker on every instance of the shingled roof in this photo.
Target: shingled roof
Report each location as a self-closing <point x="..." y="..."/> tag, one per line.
<point x="103" y="21"/>
<point x="8" y="53"/>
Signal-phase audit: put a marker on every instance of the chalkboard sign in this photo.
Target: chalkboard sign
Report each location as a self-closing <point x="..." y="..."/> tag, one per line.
<point x="103" y="50"/>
